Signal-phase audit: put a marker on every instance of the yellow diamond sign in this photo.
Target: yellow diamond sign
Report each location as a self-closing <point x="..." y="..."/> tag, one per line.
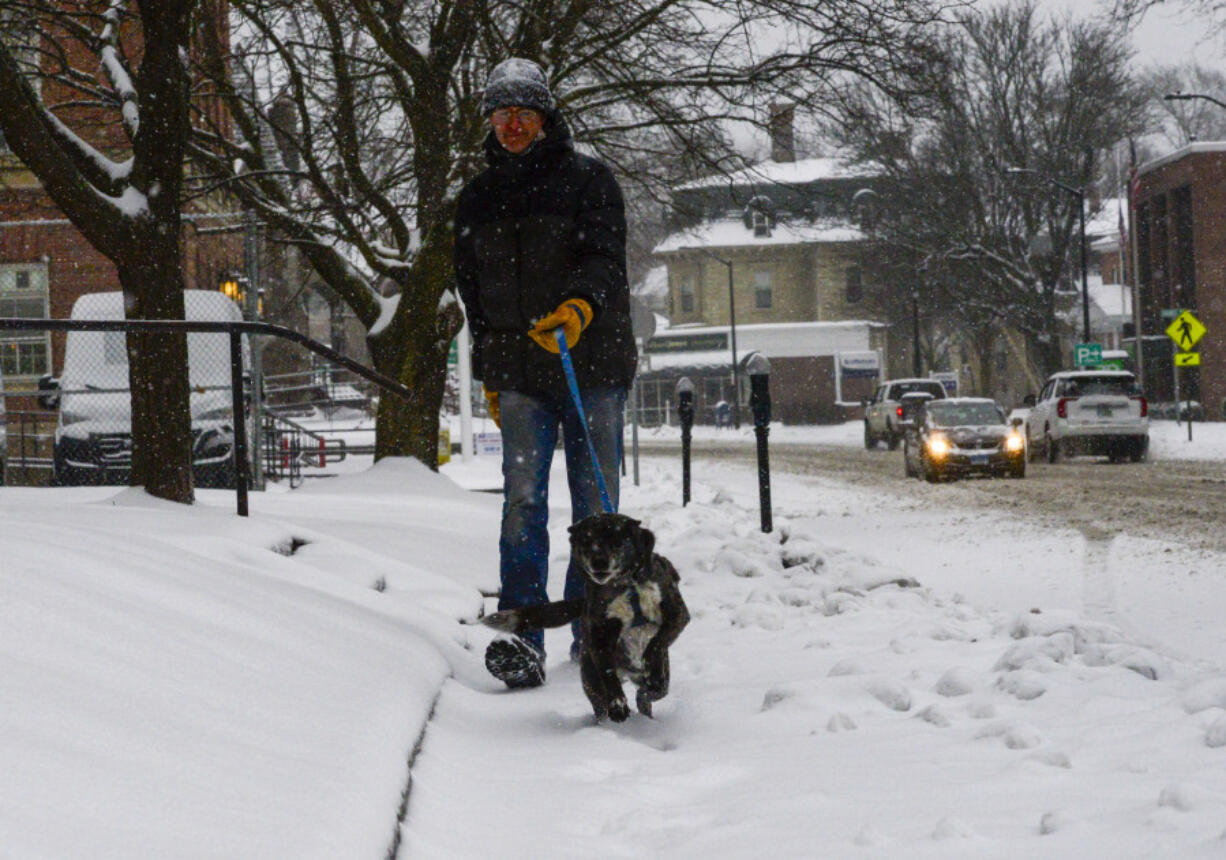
<point x="1186" y="330"/>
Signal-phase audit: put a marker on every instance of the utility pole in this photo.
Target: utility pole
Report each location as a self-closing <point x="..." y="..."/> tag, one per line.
<point x="252" y="309"/>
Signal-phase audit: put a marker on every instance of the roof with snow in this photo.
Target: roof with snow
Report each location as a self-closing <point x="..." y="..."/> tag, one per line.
<point x="1114" y="300"/>
<point x="671" y="347"/>
<point x="733" y="233"/>
<point x="654" y="283"/>
<point x="1198" y="147"/>
<point x="785" y="173"/>
<point x="1106" y="221"/>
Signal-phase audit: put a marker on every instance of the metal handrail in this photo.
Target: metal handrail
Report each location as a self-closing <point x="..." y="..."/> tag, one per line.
<point x="235" y="329"/>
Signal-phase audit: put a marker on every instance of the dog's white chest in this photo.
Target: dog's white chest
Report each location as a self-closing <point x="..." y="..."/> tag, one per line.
<point x="638" y="609"/>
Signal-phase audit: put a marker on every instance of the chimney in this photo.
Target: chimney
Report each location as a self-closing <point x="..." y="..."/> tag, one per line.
<point x="783" y="140"/>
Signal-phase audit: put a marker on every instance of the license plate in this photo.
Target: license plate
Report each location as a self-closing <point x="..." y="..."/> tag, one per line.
<point x="979" y="459"/>
<point x="1104" y="412"/>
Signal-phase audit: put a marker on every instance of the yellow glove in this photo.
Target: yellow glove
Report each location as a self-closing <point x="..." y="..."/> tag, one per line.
<point x="491" y="399"/>
<point x="573" y="315"/>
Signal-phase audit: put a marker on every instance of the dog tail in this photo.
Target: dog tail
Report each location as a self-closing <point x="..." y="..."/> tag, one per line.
<point x="556" y="614"/>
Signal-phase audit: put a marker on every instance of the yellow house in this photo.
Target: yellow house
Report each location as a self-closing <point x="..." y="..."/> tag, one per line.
<point x="773" y="246"/>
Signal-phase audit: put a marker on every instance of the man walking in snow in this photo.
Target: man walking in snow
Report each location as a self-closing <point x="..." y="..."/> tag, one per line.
<point x="541" y="244"/>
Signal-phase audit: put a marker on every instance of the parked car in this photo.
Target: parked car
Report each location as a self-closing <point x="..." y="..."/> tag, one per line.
<point x="93" y="437"/>
<point x="1094" y="412"/>
<point x="883" y="411"/>
<point x="909" y="405"/>
<point x="961" y="436"/>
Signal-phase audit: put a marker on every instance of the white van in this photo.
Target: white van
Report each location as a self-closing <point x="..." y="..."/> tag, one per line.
<point x="4" y="426"/>
<point x="93" y="439"/>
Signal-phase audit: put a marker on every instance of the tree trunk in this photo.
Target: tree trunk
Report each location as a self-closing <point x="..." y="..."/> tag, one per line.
<point x="413" y="350"/>
<point x="157" y="367"/>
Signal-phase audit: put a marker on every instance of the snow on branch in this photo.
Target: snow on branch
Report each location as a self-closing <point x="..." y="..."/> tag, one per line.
<point x="116" y="71"/>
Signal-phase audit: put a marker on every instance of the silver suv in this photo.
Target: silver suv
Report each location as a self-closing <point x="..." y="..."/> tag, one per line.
<point x="1097" y="412"/>
<point x="883" y="411"/>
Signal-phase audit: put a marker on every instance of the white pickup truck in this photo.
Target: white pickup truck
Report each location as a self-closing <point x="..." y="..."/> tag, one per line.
<point x="1096" y="412"/>
<point x="883" y="411"/>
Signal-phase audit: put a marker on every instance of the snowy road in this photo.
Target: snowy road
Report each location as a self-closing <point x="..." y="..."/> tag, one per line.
<point x="1054" y="688"/>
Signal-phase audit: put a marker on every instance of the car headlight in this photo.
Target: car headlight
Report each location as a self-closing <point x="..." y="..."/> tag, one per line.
<point x="938" y="446"/>
<point x="1014" y="443"/>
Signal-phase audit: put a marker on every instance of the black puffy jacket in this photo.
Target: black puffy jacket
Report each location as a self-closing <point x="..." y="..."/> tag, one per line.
<point x="531" y="231"/>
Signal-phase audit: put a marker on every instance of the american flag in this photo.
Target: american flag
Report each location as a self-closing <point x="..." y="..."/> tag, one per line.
<point x="1134" y="178"/>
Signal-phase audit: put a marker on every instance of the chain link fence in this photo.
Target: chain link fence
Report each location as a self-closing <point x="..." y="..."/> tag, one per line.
<point x="76" y="429"/>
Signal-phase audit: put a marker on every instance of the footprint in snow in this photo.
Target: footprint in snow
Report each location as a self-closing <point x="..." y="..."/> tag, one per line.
<point x="982" y="710"/>
<point x="840" y="722"/>
<point x="953" y="828"/>
<point x="934" y="715"/>
<point x="1022" y="737"/>
<point x="871" y="837"/>
<point x="893" y="695"/>
<point x="958" y="681"/>
<point x="776" y="696"/>
<point x="1015" y="736"/>
<point x="1025" y="684"/>
<point x="1178" y="797"/>
<point x="1051" y="822"/>
<point x="1054" y="758"/>
<point x="1215" y="735"/>
<point x="846" y="666"/>
<point x="1209" y="693"/>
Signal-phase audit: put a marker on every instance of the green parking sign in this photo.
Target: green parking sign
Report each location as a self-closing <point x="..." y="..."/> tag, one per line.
<point x="1087" y="353"/>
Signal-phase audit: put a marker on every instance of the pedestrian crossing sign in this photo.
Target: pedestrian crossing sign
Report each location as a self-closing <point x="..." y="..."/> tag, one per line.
<point x="1186" y="330"/>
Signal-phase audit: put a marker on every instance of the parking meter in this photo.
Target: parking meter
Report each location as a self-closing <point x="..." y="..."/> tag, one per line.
<point x="759" y="370"/>
<point x="685" y="410"/>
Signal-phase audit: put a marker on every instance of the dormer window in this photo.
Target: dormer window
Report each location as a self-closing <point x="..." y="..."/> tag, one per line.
<point x="759" y="216"/>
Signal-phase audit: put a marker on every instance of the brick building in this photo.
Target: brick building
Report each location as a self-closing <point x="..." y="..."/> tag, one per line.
<point x="1181" y="264"/>
<point x="45" y="263"/>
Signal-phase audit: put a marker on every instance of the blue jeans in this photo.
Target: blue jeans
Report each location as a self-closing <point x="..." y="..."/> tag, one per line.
<point x="529" y="436"/>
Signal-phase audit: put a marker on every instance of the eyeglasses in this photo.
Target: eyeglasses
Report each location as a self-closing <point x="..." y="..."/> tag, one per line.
<point x="502" y="116"/>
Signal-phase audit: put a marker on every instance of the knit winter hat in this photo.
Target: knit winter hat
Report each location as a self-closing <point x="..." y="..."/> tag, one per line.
<point x="516" y="83"/>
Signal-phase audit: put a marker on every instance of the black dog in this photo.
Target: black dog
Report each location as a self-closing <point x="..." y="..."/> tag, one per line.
<point x="630" y="613"/>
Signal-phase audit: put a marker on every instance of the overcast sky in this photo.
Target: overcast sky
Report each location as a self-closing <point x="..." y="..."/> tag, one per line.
<point x="1168" y="33"/>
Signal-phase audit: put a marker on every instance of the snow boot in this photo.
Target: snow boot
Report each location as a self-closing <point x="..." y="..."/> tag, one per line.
<point x="515" y="662"/>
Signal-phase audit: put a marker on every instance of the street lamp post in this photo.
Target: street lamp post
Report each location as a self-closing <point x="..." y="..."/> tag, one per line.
<point x="736" y="379"/>
<point x="1080" y="195"/>
<point x="917" y="365"/>
<point x="1184" y="97"/>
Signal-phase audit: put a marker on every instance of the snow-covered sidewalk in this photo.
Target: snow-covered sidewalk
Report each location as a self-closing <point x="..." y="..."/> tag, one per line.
<point x="824" y="706"/>
<point x="179" y="682"/>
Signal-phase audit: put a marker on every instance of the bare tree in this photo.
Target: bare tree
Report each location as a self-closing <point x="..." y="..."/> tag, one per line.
<point x="94" y="100"/>
<point x="385" y="127"/>
<point x="1181" y="122"/>
<point x="996" y="248"/>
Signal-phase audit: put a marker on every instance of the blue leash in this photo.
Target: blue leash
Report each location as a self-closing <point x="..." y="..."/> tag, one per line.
<point x="568" y="367"/>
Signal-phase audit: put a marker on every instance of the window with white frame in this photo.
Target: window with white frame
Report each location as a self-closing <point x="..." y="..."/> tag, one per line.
<point x="685" y="294"/>
<point x="23" y="293"/>
<point x="762" y="289"/>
